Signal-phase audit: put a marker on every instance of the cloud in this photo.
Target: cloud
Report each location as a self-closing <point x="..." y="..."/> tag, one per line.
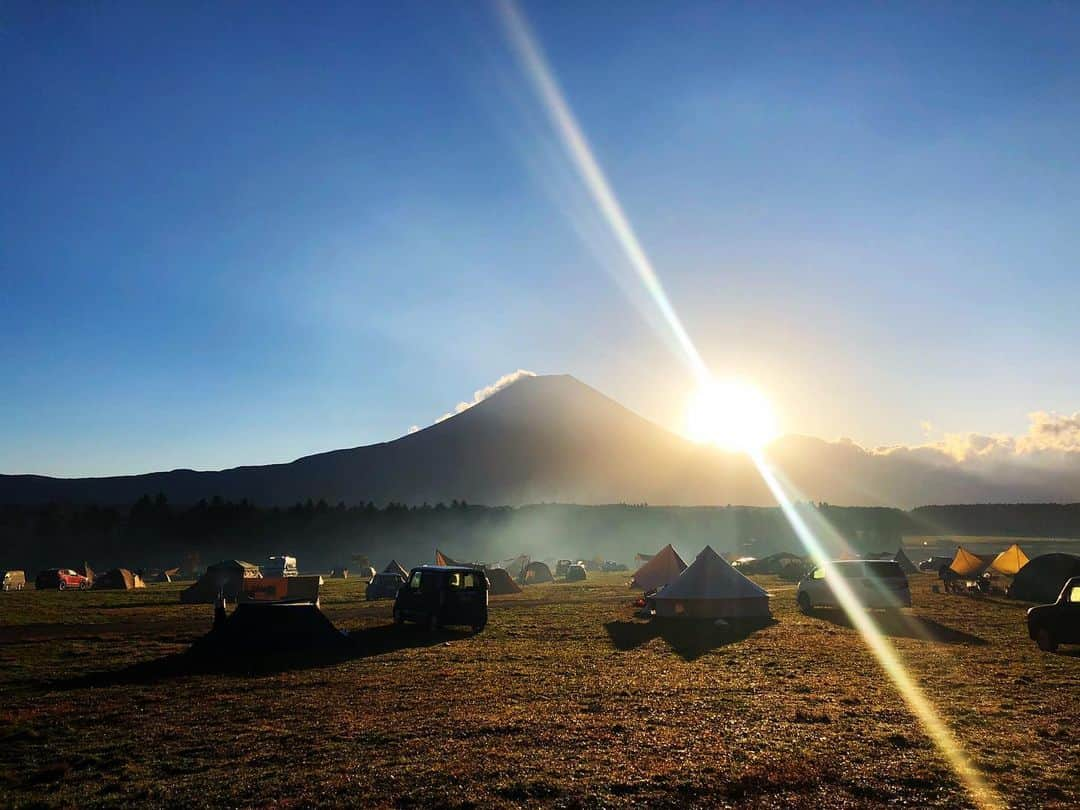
<point x="479" y="396"/>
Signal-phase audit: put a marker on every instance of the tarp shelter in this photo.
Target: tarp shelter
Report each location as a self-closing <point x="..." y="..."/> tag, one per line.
<point x="442" y="559"/>
<point x="500" y="583"/>
<point x="254" y="629"/>
<point x="535" y="573"/>
<point x="576" y="573"/>
<point x="1010" y="561"/>
<point x="384" y="585"/>
<point x="119" y="579"/>
<point x="905" y="563"/>
<point x="226" y="577"/>
<point x="967" y="564"/>
<point x="1042" y="579"/>
<point x="394" y="567"/>
<point x="711" y="589"/>
<point x="663" y="569"/>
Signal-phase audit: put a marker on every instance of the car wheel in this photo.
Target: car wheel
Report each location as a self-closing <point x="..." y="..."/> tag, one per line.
<point x="804" y="603"/>
<point x="1046" y="641"/>
<point x="63" y="586"/>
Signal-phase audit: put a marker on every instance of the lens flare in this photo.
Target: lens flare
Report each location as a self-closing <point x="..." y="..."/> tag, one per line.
<point x="577" y="149"/>
<point x="731" y="414"/>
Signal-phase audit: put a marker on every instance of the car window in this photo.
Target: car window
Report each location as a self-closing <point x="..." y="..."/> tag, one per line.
<point x="468" y="581"/>
<point x="454" y="581"/>
<point x="818" y="573"/>
<point x="414" y="583"/>
<point x="1074" y="594"/>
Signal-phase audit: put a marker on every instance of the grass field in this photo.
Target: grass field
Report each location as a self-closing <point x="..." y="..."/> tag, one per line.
<point x="564" y="699"/>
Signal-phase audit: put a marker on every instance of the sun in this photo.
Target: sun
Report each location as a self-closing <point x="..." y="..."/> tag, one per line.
<point x="731" y="414"/>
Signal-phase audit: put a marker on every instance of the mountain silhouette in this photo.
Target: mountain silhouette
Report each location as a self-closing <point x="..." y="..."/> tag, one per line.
<point x="555" y="439"/>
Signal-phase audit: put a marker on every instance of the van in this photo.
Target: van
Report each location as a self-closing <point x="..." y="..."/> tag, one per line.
<point x="14" y="580"/>
<point x="438" y="595"/>
<point x="877" y="584"/>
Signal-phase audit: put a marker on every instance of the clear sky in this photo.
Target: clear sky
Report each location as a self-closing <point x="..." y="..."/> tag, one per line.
<point x="241" y="233"/>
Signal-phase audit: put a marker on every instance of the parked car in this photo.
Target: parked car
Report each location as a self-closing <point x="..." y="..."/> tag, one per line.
<point x="611" y="565"/>
<point x="60" y="579"/>
<point x="437" y="595"/>
<point x="14" y="580"/>
<point x="879" y="584"/>
<point x="1059" y="623"/>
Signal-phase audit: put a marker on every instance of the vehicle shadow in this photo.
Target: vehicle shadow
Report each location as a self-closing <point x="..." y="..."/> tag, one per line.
<point x="689" y="638"/>
<point x="904" y="625"/>
<point x="207" y="657"/>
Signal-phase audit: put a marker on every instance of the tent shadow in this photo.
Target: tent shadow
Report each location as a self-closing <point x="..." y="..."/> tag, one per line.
<point x="219" y="659"/>
<point x="690" y="639"/>
<point x="905" y="625"/>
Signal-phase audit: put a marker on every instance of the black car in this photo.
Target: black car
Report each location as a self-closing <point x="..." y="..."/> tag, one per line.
<point x="1059" y="623"/>
<point x="437" y="595"/>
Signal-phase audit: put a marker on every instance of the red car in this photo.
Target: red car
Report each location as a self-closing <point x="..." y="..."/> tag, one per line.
<point x="60" y="578"/>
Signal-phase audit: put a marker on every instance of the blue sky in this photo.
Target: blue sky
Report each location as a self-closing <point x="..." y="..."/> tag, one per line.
<point x="243" y="233"/>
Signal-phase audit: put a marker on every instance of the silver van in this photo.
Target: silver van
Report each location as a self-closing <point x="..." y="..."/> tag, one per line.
<point x="877" y="584"/>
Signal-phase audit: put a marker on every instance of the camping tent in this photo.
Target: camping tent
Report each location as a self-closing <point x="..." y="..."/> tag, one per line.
<point x="535" y="573"/>
<point x="394" y="567"/>
<point x="967" y="564"/>
<point x="1010" y="561"/>
<point x="575" y="573"/>
<point x="905" y="563"/>
<point x="255" y="628"/>
<point x="500" y="582"/>
<point x="711" y="589"/>
<point x="367" y="574"/>
<point x="442" y="559"/>
<point x="339" y="572"/>
<point x="226" y="577"/>
<point x="120" y="579"/>
<point x="1042" y="579"/>
<point x="664" y="568"/>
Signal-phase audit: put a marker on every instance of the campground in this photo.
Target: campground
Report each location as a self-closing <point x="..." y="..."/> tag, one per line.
<point x="565" y="698"/>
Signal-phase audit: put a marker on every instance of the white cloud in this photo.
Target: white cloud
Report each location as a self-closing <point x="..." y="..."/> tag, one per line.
<point x="479" y="396"/>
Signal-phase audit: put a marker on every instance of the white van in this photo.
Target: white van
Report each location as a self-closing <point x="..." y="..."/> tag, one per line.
<point x="879" y="584"/>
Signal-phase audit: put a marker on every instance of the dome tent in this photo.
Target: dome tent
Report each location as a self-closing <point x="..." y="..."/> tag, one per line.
<point x="711" y="589"/>
<point x="1042" y="579"/>
<point x="535" y="573"/>
<point x="576" y="573"/>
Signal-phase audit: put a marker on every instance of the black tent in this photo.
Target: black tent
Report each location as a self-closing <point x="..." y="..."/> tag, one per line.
<point x="255" y="628"/>
<point x="1042" y="579"/>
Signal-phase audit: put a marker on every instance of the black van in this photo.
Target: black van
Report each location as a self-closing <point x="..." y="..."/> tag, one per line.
<point x="437" y="595"/>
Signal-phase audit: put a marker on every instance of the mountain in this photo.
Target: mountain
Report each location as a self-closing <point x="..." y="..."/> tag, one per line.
<point x="546" y="438"/>
<point x="553" y="438"/>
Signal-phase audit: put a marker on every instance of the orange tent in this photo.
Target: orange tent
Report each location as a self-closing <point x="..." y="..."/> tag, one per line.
<point x="663" y="569"/>
<point x="1010" y="561"/>
<point x="967" y="564"/>
<point x="442" y="559"/>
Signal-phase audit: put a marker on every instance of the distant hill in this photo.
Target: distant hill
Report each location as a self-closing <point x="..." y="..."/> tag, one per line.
<point x="552" y="439"/>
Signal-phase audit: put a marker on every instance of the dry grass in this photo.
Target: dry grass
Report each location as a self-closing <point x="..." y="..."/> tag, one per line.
<point x="564" y="699"/>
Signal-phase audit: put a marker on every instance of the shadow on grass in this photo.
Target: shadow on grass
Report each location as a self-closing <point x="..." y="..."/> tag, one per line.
<point x="904" y="625"/>
<point x="208" y="658"/>
<point x="690" y="638"/>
